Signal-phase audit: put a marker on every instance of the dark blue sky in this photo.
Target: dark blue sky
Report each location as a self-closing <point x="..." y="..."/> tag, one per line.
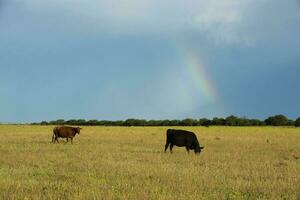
<point x="122" y="59"/>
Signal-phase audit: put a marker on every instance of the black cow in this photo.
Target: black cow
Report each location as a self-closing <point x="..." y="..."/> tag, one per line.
<point x="65" y="132"/>
<point x="182" y="138"/>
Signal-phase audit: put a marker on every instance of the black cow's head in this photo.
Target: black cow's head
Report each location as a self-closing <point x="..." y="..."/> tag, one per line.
<point x="198" y="150"/>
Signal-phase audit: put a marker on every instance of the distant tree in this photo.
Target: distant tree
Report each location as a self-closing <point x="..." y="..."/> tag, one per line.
<point x="128" y="122"/>
<point x="117" y="123"/>
<point x="80" y="122"/>
<point x="290" y="122"/>
<point x="154" y="123"/>
<point x="297" y="122"/>
<point x="231" y="121"/>
<point x="92" y="122"/>
<point x="135" y="122"/>
<point x="243" y="121"/>
<point x="71" y="122"/>
<point x="103" y="123"/>
<point x="44" y="123"/>
<point x="60" y="121"/>
<point x="57" y="122"/>
<point x="174" y="122"/>
<point x="188" y="122"/>
<point x="204" y="122"/>
<point x="256" y="122"/>
<point x="165" y="122"/>
<point x="218" y="121"/>
<point x="141" y="122"/>
<point x="277" y="120"/>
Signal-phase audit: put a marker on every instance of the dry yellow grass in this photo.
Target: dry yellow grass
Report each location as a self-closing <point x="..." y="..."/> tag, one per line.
<point x="129" y="163"/>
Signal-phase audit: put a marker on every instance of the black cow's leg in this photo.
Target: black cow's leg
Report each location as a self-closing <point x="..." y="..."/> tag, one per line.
<point x="56" y="139"/>
<point x="171" y="147"/>
<point x="67" y="140"/>
<point x="166" y="146"/>
<point x="71" y="140"/>
<point x="187" y="148"/>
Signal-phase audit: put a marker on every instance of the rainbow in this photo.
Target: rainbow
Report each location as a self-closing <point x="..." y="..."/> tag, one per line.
<point x="197" y="71"/>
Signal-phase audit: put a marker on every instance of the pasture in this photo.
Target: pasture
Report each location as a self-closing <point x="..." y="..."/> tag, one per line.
<point x="129" y="163"/>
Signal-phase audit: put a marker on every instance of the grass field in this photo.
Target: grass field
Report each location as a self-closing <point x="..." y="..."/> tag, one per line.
<point x="129" y="163"/>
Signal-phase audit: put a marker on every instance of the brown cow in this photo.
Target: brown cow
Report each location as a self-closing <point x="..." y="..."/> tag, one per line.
<point x="65" y="132"/>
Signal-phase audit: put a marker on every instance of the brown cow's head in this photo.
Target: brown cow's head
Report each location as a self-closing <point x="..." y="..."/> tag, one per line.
<point x="77" y="130"/>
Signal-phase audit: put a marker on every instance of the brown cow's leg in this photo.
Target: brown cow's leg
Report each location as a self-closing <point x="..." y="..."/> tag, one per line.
<point x="71" y="140"/>
<point x="67" y="140"/>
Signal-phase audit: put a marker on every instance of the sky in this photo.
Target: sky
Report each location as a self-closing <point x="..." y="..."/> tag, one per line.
<point x="150" y="59"/>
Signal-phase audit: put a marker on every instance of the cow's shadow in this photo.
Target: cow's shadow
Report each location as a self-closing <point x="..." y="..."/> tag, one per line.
<point x="49" y="142"/>
<point x="143" y="151"/>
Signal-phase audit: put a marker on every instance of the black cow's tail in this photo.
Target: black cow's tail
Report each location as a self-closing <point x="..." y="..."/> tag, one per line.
<point x="169" y="135"/>
<point x="168" y="139"/>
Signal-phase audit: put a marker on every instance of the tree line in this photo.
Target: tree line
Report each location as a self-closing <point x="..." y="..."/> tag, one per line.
<point x="277" y="120"/>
